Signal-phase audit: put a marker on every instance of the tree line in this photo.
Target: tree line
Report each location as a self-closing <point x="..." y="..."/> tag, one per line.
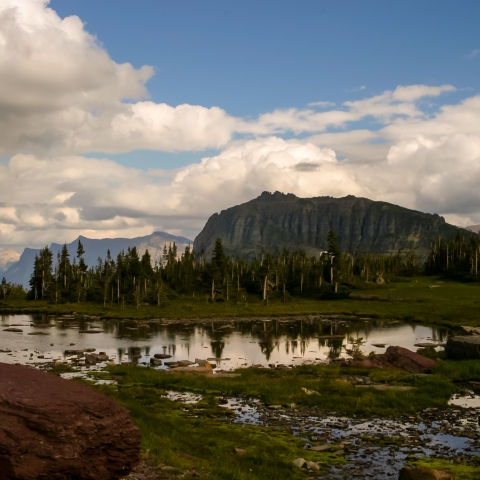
<point x="134" y="279"/>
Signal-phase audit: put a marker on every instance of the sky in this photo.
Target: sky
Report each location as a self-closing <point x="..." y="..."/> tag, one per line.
<point x="120" y="118"/>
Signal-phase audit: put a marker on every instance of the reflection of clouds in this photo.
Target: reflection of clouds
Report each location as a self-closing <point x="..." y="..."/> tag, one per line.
<point x="247" y="343"/>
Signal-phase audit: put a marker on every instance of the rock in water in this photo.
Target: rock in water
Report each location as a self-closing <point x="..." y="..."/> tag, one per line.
<point x="398" y="357"/>
<point x="463" y="347"/>
<point x="52" y="428"/>
<point x="423" y="473"/>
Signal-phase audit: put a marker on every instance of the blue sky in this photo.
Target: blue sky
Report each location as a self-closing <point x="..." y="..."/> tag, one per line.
<point x="251" y="57"/>
<point x="120" y="118"/>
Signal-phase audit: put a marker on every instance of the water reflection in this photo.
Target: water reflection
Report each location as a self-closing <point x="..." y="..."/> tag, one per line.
<point x="287" y="341"/>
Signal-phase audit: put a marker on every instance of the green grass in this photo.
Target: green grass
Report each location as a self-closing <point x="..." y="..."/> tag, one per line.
<point x="449" y="303"/>
<point x="170" y="429"/>
<point x="459" y="471"/>
<point x="284" y="387"/>
<point x="459" y="371"/>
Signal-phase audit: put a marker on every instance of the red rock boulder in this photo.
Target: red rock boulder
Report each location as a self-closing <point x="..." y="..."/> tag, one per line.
<point x="51" y="428"/>
<point x="398" y="357"/>
<point x="423" y="473"/>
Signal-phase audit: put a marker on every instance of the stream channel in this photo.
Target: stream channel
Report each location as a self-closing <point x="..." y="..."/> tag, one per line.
<point x="453" y="434"/>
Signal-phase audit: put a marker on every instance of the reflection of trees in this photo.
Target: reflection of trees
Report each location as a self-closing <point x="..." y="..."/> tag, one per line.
<point x="334" y="346"/>
<point x="267" y="348"/>
<point x="217" y="348"/>
<point x="335" y="349"/>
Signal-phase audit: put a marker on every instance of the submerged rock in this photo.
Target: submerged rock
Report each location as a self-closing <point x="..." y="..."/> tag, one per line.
<point x="51" y="428"/>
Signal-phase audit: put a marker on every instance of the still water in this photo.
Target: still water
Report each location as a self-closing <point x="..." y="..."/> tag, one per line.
<point x="233" y="344"/>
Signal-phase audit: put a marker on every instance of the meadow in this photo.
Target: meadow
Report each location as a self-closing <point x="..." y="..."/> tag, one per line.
<point x="423" y="299"/>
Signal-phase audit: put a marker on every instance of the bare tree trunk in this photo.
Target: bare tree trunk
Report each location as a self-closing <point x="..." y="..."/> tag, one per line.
<point x="301" y="283"/>
<point x="265" y="288"/>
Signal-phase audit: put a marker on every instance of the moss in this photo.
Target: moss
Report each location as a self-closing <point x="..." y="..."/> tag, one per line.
<point x="170" y="429"/>
<point x="460" y="471"/>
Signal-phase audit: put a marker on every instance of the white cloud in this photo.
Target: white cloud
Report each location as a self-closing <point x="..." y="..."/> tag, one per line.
<point x="474" y="53"/>
<point x="321" y="104"/>
<point x="61" y="95"/>
<point x="60" y="92"/>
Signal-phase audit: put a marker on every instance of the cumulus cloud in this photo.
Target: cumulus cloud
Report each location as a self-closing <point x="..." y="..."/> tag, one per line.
<point x="60" y="92"/>
<point x="61" y="95"/>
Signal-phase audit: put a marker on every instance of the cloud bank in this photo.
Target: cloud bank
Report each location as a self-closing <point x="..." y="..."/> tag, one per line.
<point x="62" y="96"/>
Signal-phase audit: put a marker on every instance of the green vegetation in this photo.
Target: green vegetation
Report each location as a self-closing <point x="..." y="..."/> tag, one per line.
<point x="417" y="299"/>
<point x="202" y="430"/>
<point x="284" y="387"/>
<point x="460" y="471"/>
<point x="170" y="430"/>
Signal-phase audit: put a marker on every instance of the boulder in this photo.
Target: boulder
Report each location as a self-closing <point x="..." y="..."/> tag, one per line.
<point x="162" y="355"/>
<point x="93" y="358"/>
<point x="423" y="473"/>
<point x="52" y="428"/>
<point x="398" y="357"/>
<point x="465" y="347"/>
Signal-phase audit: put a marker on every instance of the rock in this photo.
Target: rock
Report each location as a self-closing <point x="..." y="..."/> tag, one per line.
<point x="93" y="358"/>
<point x="463" y="347"/>
<point x="59" y="429"/>
<point x="276" y="221"/>
<point x="185" y="363"/>
<point x="299" y="462"/>
<point x="322" y="448"/>
<point x="471" y="330"/>
<point x="423" y="473"/>
<point x="195" y="370"/>
<point x="312" y="466"/>
<point x="11" y="329"/>
<point x="398" y="357"/>
<point x="239" y="451"/>
<point x="155" y="361"/>
<point x="162" y="356"/>
<point x="310" y="392"/>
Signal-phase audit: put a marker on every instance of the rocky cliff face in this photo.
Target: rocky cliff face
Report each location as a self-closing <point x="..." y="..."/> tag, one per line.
<point x="276" y="221"/>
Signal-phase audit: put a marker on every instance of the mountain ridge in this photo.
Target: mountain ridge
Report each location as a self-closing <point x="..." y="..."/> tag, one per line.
<point x="21" y="271"/>
<point x="274" y="221"/>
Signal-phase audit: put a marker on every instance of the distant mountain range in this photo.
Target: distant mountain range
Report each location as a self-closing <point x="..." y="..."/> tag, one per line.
<point x="276" y="221"/>
<point x="474" y="228"/>
<point x="21" y="271"/>
<point x="7" y="258"/>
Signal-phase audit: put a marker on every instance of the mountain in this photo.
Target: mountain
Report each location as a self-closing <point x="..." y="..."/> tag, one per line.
<point x="276" y="221"/>
<point x="7" y="258"/>
<point x="21" y="271"/>
<point x="474" y="228"/>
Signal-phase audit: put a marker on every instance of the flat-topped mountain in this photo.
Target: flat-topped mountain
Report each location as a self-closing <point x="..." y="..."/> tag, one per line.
<point x="21" y="271"/>
<point x="276" y="221"/>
